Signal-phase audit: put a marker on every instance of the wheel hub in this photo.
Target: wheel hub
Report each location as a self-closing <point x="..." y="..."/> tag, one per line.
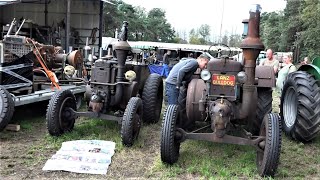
<point x="290" y="107"/>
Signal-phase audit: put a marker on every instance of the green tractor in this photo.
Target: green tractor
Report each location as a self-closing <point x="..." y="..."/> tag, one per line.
<point x="300" y="102"/>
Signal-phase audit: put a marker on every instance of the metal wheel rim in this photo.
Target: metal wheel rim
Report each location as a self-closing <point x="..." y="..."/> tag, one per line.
<point x="65" y="118"/>
<point x="1" y="103"/>
<point x="290" y="107"/>
<point x="177" y="135"/>
<point x="136" y="125"/>
<point x="263" y="132"/>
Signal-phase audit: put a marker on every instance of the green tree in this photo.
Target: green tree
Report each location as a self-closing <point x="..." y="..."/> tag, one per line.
<point x="225" y="39"/>
<point x="235" y="40"/>
<point x="204" y="31"/>
<point x="270" y="30"/>
<point x="310" y="36"/>
<point x="148" y="26"/>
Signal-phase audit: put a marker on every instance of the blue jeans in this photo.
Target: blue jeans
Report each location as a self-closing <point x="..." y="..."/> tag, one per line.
<point x="165" y="70"/>
<point x="172" y="93"/>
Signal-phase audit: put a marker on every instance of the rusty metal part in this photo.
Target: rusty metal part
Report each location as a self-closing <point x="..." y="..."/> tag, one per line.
<point x="220" y="112"/>
<point x="75" y="58"/>
<point x="265" y="76"/>
<point x="212" y="137"/>
<point x="194" y="94"/>
<point x="96" y="103"/>
<point x="129" y="90"/>
<point x="122" y="49"/>
<point x="96" y="115"/>
<point x="95" y="106"/>
<point x="224" y="66"/>
<point x="251" y="46"/>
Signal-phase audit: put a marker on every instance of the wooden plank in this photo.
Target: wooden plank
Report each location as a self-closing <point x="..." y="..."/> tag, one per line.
<point x="13" y="127"/>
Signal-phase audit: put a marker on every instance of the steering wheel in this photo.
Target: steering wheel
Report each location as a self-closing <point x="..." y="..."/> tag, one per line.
<point x="220" y="51"/>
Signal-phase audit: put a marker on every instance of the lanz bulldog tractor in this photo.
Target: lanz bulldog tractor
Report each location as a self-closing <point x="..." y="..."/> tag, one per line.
<point x="228" y="98"/>
<point x="120" y="90"/>
<point x="300" y="102"/>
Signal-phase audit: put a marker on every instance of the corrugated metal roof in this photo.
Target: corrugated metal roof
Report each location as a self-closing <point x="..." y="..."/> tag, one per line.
<point x="6" y="2"/>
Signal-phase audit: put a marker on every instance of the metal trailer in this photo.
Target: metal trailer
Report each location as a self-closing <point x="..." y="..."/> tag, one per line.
<point x="24" y="81"/>
<point x="46" y="94"/>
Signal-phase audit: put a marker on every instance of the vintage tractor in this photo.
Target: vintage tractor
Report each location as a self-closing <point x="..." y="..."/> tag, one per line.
<point x="120" y="89"/>
<point x="230" y="103"/>
<point x="300" y="102"/>
<point x="29" y="71"/>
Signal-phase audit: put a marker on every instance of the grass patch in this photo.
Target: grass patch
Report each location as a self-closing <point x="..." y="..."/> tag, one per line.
<point x="206" y="160"/>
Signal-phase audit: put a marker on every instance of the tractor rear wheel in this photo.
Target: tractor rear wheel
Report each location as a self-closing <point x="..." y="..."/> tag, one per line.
<point x="60" y="118"/>
<point x="6" y="108"/>
<point x="131" y="121"/>
<point x="170" y="144"/>
<point x="300" y="106"/>
<point x="152" y="98"/>
<point x="268" y="153"/>
<point x="264" y="106"/>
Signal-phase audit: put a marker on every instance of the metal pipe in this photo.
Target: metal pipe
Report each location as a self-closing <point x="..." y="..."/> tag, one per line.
<point x="251" y="46"/>
<point x="122" y="48"/>
<point x="20" y="26"/>
<point x="11" y="26"/>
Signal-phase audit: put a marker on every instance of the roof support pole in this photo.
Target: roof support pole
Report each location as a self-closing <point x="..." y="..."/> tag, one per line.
<point x="100" y="24"/>
<point x="46" y="13"/>
<point x="68" y="25"/>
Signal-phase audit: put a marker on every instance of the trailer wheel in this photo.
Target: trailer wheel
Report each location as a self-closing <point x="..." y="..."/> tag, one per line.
<point x="59" y="116"/>
<point x="170" y="144"/>
<point x="152" y="98"/>
<point x="264" y="106"/>
<point x="300" y="106"/>
<point x="268" y="153"/>
<point x="131" y="121"/>
<point x="6" y="108"/>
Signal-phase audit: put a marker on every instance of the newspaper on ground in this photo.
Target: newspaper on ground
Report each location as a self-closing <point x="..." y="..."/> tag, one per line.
<point x="82" y="156"/>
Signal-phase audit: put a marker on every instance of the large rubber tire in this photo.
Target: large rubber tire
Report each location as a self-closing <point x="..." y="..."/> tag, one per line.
<point x="131" y="121"/>
<point x="269" y="155"/>
<point x="152" y="98"/>
<point x="300" y="106"/>
<point x="170" y="145"/>
<point x="264" y="106"/>
<point x="6" y="108"/>
<point x="59" y="118"/>
<point x="184" y="122"/>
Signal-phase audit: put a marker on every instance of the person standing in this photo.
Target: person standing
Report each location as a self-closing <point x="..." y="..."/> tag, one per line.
<point x="270" y="61"/>
<point x="183" y="71"/>
<point x="165" y="70"/>
<point x="283" y="73"/>
<point x="305" y="61"/>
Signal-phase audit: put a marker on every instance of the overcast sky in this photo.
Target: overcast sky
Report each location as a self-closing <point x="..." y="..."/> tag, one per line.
<point x="184" y="15"/>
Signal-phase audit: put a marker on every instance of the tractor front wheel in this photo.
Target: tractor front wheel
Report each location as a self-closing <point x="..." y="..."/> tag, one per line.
<point x="268" y="153"/>
<point x="170" y="144"/>
<point x="60" y="118"/>
<point x="131" y="121"/>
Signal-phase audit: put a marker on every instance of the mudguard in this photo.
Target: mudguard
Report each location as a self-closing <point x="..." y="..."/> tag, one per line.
<point x="265" y="76"/>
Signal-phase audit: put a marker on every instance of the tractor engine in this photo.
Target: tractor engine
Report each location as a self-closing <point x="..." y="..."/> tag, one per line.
<point x="109" y="81"/>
